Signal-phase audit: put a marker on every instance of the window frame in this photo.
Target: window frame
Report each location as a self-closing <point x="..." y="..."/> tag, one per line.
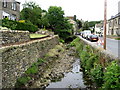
<point x="14" y="6"/>
<point x="5" y="3"/>
<point x="118" y="21"/>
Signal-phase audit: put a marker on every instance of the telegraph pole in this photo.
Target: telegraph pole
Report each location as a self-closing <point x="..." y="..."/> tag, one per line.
<point x="105" y="22"/>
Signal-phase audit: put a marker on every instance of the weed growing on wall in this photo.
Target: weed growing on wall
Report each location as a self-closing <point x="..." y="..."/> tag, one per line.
<point x="22" y="80"/>
<point x="29" y="73"/>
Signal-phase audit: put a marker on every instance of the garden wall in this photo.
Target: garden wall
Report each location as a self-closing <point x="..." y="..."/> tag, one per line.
<point x="13" y="36"/>
<point x="16" y="59"/>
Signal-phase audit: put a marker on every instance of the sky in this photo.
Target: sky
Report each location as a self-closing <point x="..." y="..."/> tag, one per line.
<point x="87" y="10"/>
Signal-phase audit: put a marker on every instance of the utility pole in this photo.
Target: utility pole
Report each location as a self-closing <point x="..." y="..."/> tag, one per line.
<point x="105" y="22"/>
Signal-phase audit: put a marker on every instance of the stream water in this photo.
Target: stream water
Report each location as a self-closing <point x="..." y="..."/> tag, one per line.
<point x="73" y="79"/>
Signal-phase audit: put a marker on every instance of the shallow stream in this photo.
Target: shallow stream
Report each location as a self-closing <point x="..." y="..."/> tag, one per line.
<point x="73" y="79"/>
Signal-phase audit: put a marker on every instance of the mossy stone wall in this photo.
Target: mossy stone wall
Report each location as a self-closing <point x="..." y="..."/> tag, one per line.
<point x="16" y="59"/>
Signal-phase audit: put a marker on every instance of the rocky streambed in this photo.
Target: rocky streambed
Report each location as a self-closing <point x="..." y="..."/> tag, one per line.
<point x="63" y="73"/>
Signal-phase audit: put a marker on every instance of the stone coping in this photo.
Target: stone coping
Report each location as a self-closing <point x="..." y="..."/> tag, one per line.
<point x="29" y="42"/>
<point x="13" y="31"/>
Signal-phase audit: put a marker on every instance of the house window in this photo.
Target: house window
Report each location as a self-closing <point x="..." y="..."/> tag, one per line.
<point x="110" y="23"/>
<point x="119" y="21"/>
<point x="5" y="3"/>
<point x="115" y="21"/>
<point x="14" y="7"/>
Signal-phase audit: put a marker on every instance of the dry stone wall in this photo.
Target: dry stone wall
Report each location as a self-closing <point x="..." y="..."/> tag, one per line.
<point x="13" y="36"/>
<point x="16" y="59"/>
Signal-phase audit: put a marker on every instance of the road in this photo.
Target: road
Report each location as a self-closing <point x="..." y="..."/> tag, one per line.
<point x="112" y="45"/>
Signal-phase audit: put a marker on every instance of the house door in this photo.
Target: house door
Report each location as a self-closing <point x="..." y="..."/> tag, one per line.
<point x="112" y="32"/>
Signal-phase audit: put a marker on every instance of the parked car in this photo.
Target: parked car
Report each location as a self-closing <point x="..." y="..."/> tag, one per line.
<point x="93" y="37"/>
<point x="81" y="34"/>
<point x="88" y="36"/>
<point x="86" y="33"/>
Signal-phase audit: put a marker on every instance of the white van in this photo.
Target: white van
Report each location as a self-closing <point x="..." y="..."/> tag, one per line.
<point x="86" y="33"/>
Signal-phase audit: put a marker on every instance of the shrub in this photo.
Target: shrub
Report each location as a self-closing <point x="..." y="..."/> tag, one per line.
<point x="97" y="74"/>
<point x="84" y="56"/>
<point x="63" y="34"/>
<point x="14" y="25"/>
<point x="112" y="77"/>
<point x="90" y="62"/>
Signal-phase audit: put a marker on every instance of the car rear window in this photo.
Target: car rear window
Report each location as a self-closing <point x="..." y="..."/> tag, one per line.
<point x="94" y="36"/>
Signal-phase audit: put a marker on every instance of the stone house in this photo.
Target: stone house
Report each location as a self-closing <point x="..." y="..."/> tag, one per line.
<point x="99" y="29"/>
<point x="114" y="25"/>
<point x="75" y="26"/>
<point x="10" y="9"/>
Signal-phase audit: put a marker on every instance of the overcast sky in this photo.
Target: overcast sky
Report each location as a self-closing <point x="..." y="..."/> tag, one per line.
<point x="90" y="10"/>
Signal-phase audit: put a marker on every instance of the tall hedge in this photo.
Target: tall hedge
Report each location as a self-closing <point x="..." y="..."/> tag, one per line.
<point x="15" y="25"/>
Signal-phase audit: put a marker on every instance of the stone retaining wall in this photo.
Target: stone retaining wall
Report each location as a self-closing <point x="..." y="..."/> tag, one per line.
<point x="16" y="59"/>
<point x="13" y="36"/>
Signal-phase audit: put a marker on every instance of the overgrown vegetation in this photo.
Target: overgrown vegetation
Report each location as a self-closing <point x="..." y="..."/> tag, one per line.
<point x="29" y="73"/>
<point x="53" y="19"/>
<point x="35" y="70"/>
<point x="15" y="25"/>
<point x="112" y="76"/>
<point x="107" y="77"/>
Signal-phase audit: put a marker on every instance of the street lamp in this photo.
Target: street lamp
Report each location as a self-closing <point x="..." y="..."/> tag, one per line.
<point x="105" y="22"/>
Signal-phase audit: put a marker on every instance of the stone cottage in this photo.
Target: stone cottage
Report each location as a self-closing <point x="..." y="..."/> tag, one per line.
<point x="114" y="23"/>
<point x="10" y="9"/>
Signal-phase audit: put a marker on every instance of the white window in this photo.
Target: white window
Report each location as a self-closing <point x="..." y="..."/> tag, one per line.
<point x="14" y="7"/>
<point x="4" y="3"/>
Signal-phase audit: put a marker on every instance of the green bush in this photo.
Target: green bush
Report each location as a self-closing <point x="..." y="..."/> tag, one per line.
<point x="15" y="25"/>
<point x="90" y="62"/>
<point x="97" y="74"/>
<point x="105" y="80"/>
<point x="63" y="34"/>
<point x="112" y="77"/>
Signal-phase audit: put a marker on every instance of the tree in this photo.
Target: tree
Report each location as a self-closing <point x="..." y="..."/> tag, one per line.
<point x="32" y="12"/>
<point x="92" y="23"/>
<point x="79" y="23"/>
<point x="55" y="17"/>
<point x="44" y="19"/>
<point x="85" y="26"/>
<point x="58" y="23"/>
